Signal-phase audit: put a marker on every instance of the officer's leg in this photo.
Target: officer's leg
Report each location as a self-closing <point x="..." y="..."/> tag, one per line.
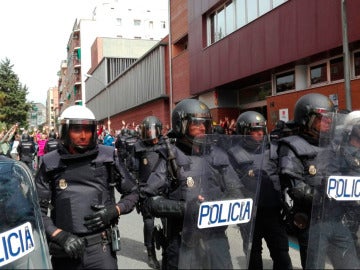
<point x="255" y="261"/>
<point x="218" y="252"/>
<point x="171" y="254"/>
<point x="303" y="239"/>
<point x="277" y="241"/>
<point x="99" y="256"/>
<point x="149" y="242"/>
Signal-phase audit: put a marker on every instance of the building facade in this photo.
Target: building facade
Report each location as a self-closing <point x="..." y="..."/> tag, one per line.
<point x="145" y="20"/>
<point x="263" y="55"/>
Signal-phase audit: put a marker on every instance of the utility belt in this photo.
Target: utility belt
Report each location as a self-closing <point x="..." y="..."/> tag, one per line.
<point x="103" y="238"/>
<point x="109" y="236"/>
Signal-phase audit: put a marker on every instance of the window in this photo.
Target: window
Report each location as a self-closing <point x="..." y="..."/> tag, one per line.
<point x="318" y="74"/>
<point x="336" y="69"/>
<point x="234" y="14"/>
<point x="285" y="82"/>
<point x="151" y="25"/>
<point x="118" y="21"/>
<point x="357" y="63"/>
<point x="163" y="24"/>
<point x="137" y="22"/>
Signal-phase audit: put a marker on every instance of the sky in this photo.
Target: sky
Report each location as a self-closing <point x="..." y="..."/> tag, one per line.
<point x="34" y="35"/>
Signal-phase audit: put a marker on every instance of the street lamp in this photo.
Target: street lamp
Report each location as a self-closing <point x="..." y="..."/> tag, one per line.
<point x="107" y="97"/>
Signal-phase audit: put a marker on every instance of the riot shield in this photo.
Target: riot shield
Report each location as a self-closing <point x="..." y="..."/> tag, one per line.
<point x="221" y="201"/>
<point x="334" y="225"/>
<point x="23" y="243"/>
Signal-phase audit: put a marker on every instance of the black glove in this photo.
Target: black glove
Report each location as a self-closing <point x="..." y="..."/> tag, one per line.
<point x="102" y="218"/>
<point x="74" y="246"/>
<point x="159" y="206"/>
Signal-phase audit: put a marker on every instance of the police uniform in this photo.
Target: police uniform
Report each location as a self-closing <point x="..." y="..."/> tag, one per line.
<point x="145" y="159"/>
<point x="210" y="175"/>
<point x="68" y="184"/>
<point x="332" y="220"/>
<point x="50" y="145"/>
<point x="26" y="152"/>
<point x="268" y="223"/>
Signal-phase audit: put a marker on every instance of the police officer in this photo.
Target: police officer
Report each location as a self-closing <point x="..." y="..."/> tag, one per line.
<point x="349" y="152"/>
<point x="120" y="143"/>
<point x="201" y="172"/>
<point x="27" y="150"/>
<point x="300" y="164"/>
<point x="52" y="142"/>
<point x="146" y="155"/>
<point x="76" y="182"/>
<point x="250" y="156"/>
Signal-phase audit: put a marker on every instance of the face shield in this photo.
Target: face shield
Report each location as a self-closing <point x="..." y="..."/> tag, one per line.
<point x="149" y="132"/>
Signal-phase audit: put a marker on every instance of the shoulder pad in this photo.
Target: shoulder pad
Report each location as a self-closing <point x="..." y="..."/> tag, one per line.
<point x="181" y="158"/>
<point x="299" y="145"/>
<point x="106" y="154"/>
<point x="219" y="157"/>
<point x="52" y="161"/>
<point x="240" y="155"/>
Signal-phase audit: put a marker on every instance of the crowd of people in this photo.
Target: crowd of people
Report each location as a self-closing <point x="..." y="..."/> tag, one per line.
<point x="169" y="174"/>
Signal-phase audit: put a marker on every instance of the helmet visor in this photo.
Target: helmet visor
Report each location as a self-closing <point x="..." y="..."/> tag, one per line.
<point x="202" y="123"/>
<point x="149" y="132"/>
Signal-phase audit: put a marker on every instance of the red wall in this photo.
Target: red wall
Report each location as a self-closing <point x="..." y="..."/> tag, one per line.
<point x="293" y="31"/>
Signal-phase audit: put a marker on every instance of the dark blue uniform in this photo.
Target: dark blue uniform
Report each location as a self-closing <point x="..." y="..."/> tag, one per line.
<point x="268" y="222"/>
<point x="69" y="184"/>
<point x="208" y="174"/>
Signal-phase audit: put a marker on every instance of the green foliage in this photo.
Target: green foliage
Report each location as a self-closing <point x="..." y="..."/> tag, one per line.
<point x="13" y="105"/>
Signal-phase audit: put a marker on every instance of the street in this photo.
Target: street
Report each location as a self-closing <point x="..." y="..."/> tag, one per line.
<point x="133" y="252"/>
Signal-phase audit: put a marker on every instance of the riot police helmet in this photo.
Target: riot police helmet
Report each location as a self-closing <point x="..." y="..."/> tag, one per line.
<point x="248" y="122"/>
<point x="77" y="117"/>
<point x="52" y="135"/>
<point x="150" y="128"/>
<point x="352" y="125"/>
<point x="190" y="111"/>
<point x="25" y="137"/>
<point x="308" y="108"/>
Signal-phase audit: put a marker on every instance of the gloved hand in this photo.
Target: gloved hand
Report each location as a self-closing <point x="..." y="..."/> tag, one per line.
<point x="101" y="218"/>
<point x="73" y="245"/>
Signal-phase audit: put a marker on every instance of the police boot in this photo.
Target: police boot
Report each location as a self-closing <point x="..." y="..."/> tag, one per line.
<point x="152" y="261"/>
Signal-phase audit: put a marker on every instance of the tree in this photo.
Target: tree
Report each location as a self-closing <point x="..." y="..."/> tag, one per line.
<point x="13" y="105"/>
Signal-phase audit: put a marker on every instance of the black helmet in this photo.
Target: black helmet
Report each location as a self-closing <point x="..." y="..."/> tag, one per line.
<point x="52" y="135"/>
<point x="307" y="108"/>
<point x="77" y="115"/>
<point x="352" y="125"/>
<point x="150" y="128"/>
<point x="187" y="111"/>
<point x="25" y="137"/>
<point x="249" y="121"/>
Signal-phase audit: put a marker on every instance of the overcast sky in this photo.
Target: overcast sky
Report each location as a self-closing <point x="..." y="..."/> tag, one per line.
<point x="34" y="36"/>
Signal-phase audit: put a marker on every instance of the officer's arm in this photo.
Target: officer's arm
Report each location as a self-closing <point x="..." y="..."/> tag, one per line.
<point x="159" y="206"/>
<point x="126" y="185"/>
<point x="290" y="166"/>
<point x="44" y="194"/>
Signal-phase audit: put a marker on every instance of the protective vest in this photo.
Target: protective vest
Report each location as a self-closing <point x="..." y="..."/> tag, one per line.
<point x="77" y="182"/>
<point x="27" y="149"/>
<point x="297" y="159"/>
<point x="147" y="158"/>
<point x="257" y="170"/>
<point x="51" y="145"/>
